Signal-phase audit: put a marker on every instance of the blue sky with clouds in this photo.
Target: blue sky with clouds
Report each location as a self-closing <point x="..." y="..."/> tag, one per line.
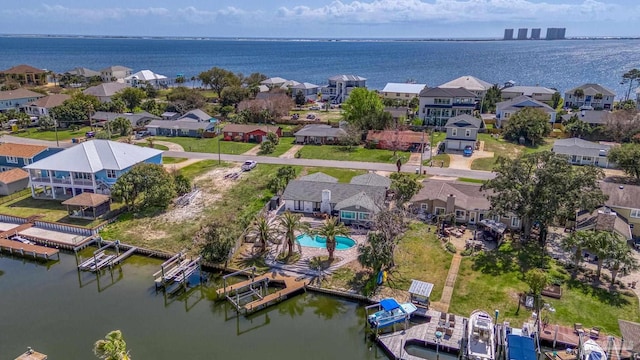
<point x="319" y="18"/>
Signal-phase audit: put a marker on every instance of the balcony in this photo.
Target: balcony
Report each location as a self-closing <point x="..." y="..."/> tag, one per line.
<point x="83" y="182"/>
<point x="65" y="181"/>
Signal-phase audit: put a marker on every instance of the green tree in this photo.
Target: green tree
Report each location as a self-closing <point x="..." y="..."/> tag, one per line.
<point x="377" y="253"/>
<point x="601" y="245"/>
<point x="115" y="105"/>
<point x="330" y="229"/>
<point x="153" y="107"/>
<point x="232" y="95"/>
<point x="290" y="223"/>
<point x="266" y="147"/>
<point x="215" y="243"/>
<point x="300" y="98"/>
<point x="182" y="99"/>
<point x="576" y="242"/>
<point x="45" y="122"/>
<point x="151" y="91"/>
<point x="254" y="79"/>
<point x="121" y="125"/>
<point x="4" y="119"/>
<point x="217" y="79"/>
<point x="627" y="157"/>
<point x="626" y="105"/>
<point x="360" y="106"/>
<point x="530" y="123"/>
<point x="619" y="257"/>
<point x="182" y="183"/>
<point x="404" y="186"/>
<point x="541" y="187"/>
<point x="263" y="232"/>
<point x="24" y="120"/>
<point x="132" y="96"/>
<point x="578" y="94"/>
<point x="492" y="97"/>
<point x="630" y="77"/>
<point x="112" y="347"/>
<point x="537" y="280"/>
<point x="283" y="175"/>
<point x="576" y="127"/>
<point x="148" y="183"/>
<point x="76" y="110"/>
<point x="273" y="137"/>
<point x="556" y="99"/>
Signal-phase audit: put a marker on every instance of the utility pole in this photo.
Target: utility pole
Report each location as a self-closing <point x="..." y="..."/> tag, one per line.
<point x="55" y="129"/>
<point x="422" y="150"/>
<point x="219" y="160"/>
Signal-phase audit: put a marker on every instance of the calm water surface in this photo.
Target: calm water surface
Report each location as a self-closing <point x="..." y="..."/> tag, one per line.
<point x="61" y="313"/>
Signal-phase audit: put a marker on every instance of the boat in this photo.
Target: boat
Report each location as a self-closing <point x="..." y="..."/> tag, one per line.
<point x="391" y="313"/>
<point x="520" y="342"/>
<point x="22" y="240"/>
<point x="592" y="351"/>
<point x="481" y="344"/>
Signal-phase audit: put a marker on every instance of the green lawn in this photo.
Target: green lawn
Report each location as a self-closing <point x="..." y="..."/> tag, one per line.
<point x="172" y="160"/>
<point x="471" y="180"/>
<point x="155" y="146"/>
<point x="356" y="153"/>
<point x="200" y="167"/>
<point x="506" y="148"/>
<point x="63" y="134"/>
<point x="343" y="175"/>
<point x="283" y="146"/>
<point x="437" y="160"/>
<point x="209" y="145"/>
<point x="484" y="163"/>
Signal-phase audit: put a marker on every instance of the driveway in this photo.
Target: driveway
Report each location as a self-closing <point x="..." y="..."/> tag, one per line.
<point x="172" y="146"/>
<point x="253" y="151"/>
<point x="291" y="153"/>
<point x="459" y="161"/>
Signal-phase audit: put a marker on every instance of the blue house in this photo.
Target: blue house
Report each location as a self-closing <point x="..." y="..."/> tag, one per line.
<point x="19" y="155"/>
<point x="17" y="99"/>
<point x="92" y="166"/>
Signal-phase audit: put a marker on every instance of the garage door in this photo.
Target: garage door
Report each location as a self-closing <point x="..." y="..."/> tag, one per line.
<point x="453" y="145"/>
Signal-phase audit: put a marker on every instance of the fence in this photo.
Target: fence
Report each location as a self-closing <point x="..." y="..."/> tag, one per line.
<point x="17" y="195"/>
<point x="70" y="229"/>
<point x="13" y="219"/>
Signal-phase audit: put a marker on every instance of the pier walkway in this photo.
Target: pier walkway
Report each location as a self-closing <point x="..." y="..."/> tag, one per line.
<point x="447" y="292"/>
<point x="16" y="247"/>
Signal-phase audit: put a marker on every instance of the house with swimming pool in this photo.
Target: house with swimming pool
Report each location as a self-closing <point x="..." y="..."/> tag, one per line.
<point x="355" y="202"/>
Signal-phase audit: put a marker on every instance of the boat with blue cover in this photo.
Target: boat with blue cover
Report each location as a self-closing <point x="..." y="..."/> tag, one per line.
<point x="391" y="313"/>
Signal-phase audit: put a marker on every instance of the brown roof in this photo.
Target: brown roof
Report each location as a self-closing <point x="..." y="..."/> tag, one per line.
<point x="20" y="93"/>
<point x="631" y="334"/>
<point x="21" y="150"/>
<point x="621" y="195"/>
<point x="87" y="199"/>
<point x="468" y="196"/>
<point x="245" y="128"/>
<point x="13" y="175"/>
<point x="603" y="219"/>
<point x="23" y="69"/>
<point x="50" y="101"/>
<point x="407" y="136"/>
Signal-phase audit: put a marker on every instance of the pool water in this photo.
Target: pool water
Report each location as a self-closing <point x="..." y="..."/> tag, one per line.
<point x="317" y="241"/>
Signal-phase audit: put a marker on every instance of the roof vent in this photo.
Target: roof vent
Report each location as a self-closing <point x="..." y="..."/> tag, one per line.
<point x="621" y="187"/>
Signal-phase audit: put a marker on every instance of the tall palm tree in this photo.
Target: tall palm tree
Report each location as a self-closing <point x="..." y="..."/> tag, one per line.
<point x="600" y="245"/>
<point x="332" y="228"/>
<point x="576" y="242"/>
<point x="112" y="347"/>
<point x="579" y="94"/>
<point x="620" y="257"/>
<point x="289" y="223"/>
<point x="262" y="231"/>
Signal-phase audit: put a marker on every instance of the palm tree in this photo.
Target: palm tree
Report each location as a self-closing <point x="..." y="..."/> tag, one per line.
<point x="24" y="120"/>
<point x="112" y="347"/>
<point x="289" y="223"/>
<point x="576" y="242"/>
<point x="150" y="141"/>
<point x="578" y="93"/>
<point x="263" y="231"/>
<point x="332" y="228"/>
<point x="620" y="257"/>
<point x="600" y="244"/>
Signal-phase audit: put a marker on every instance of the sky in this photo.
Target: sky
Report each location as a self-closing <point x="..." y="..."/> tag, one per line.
<point x="318" y="18"/>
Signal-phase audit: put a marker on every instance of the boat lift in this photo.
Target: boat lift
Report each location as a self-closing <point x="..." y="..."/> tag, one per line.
<point x="101" y="259"/>
<point x="390" y="320"/>
<point x="175" y="272"/>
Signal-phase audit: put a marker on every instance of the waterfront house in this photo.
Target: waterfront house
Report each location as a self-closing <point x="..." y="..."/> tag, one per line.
<point x="593" y="96"/>
<point x="115" y="73"/>
<point x="402" y="91"/>
<point x="188" y="128"/>
<point x="83" y="73"/>
<point x="105" y="91"/>
<point x="12" y="181"/>
<point x="92" y="166"/>
<point x="591" y="117"/>
<point x="623" y="199"/>
<point x="146" y="77"/>
<point x="340" y="86"/>
<point x="462" y="131"/>
<point x="196" y="115"/>
<point x="470" y="83"/>
<point x="583" y="152"/>
<point x="43" y="105"/>
<point x="273" y="82"/>
<point x="539" y="93"/>
<point x="310" y="91"/>
<point x="249" y="132"/>
<point x="405" y="140"/>
<point x="24" y="75"/>
<point x="506" y="109"/>
<point x="319" y="134"/>
<point x="17" y="99"/>
<point x="14" y="156"/>
<point x="438" y="105"/>
<point x="137" y="120"/>
<point x="603" y="219"/>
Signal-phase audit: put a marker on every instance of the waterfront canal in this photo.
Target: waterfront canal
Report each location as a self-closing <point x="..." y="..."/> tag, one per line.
<point x="61" y="313"/>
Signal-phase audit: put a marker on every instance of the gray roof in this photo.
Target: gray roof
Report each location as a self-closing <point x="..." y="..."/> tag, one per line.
<point x="603" y="219"/>
<point x="576" y="146"/>
<point x="19" y="93"/>
<point x="180" y="124"/>
<point x="106" y="89"/>
<point x="319" y="177"/>
<point x="447" y="92"/>
<point x="468" y="82"/>
<point x="116" y="68"/>
<point x="421" y="288"/>
<point x="464" y="121"/>
<point x="523" y="102"/>
<point x="196" y="114"/>
<point x="312" y="191"/>
<point x="589" y="116"/>
<point x="372" y="179"/>
<point x="347" y="78"/>
<point x="360" y="199"/>
<point x="305" y="86"/>
<point x="137" y="119"/>
<point x="95" y="155"/>
<point x="320" y="130"/>
<point x="273" y="81"/>
<point x="81" y="71"/>
<point x="621" y="195"/>
<point x="404" y="88"/>
<point x="528" y="90"/>
<point x="592" y="89"/>
<point x="468" y="196"/>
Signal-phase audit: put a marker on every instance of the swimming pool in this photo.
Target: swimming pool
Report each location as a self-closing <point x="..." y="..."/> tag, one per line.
<point x="342" y="242"/>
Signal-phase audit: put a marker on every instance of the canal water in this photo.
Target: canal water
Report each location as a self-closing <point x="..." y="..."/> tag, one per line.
<point x="61" y="312"/>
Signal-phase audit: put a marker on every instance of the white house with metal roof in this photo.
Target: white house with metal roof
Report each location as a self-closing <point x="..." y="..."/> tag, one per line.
<point x="402" y="91"/>
<point x="92" y="166"/>
<point x="146" y="77"/>
<point x="583" y="152"/>
<point x="309" y="90"/>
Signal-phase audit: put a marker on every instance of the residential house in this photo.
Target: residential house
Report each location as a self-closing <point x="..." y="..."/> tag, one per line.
<point x="274" y="82"/>
<point x="24" y="75"/>
<point x="591" y="117"/>
<point x="593" y="96"/>
<point x="603" y="219"/>
<point x="462" y="131"/>
<point x="539" y="93"/>
<point x="464" y="202"/>
<point x="371" y="179"/>
<point x="352" y="203"/>
<point x="83" y="73"/>
<point x="289" y="84"/>
<point x="318" y="177"/>
<point x="146" y="77"/>
<point x="405" y="140"/>
<point x="319" y="134"/>
<point x="340" y="86"/>
<point x="17" y="99"/>
<point x="310" y="91"/>
<point x="115" y="73"/>
<point x="169" y="115"/>
<point x="42" y="106"/>
<point x="402" y="91"/>
<point x="470" y="83"/>
<point x="197" y="115"/>
<point x="506" y="109"/>
<point x="14" y="156"/>
<point x="438" y="105"/>
<point x="623" y="199"/>
<point x="401" y="114"/>
<point x="92" y="166"/>
<point x="12" y="181"/>
<point x="583" y="152"/>
<point x="189" y="128"/>
<point x="105" y="91"/>
<point x="137" y="120"/>
<point x="249" y="132"/>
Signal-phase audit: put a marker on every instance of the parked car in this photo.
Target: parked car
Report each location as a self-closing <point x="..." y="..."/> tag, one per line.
<point x="311" y="116"/>
<point x="248" y="165"/>
<point x="636" y="244"/>
<point x="90" y="134"/>
<point x="142" y="134"/>
<point x="468" y="150"/>
<point x="315" y="107"/>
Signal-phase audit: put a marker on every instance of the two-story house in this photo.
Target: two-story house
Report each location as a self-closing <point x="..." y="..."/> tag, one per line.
<point x="623" y="199"/>
<point x="17" y="99"/>
<point x="146" y="77"/>
<point x="92" y="166"/>
<point x="42" y="106"/>
<point x="24" y="75"/>
<point x="593" y="96"/>
<point x="505" y="109"/>
<point x="340" y="86"/>
<point x="438" y="105"/>
<point x="14" y="156"/>
<point x="115" y="73"/>
<point x="470" y="83"/>
<point x="539" y="93"/>
<point x="310" y="91"/>
<point x="402" y="91"/>
<point x="462" y="131"/>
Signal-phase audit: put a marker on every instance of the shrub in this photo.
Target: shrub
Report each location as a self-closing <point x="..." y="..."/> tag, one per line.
<point x="466" y="252"/>
<point x="266" y="147"/>
<point x="450" y="248"/>
<point x="298" y="154"/>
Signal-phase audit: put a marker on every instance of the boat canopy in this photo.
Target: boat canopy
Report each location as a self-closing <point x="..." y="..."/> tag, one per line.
<point x="521" y="347"/>
<point x="389" y="304"/>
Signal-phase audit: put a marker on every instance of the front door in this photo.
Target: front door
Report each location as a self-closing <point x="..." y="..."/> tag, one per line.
<point x="481" y="217"/>
<point x="472" y="217"/>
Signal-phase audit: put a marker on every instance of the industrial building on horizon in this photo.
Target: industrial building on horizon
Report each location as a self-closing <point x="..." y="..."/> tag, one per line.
<point x="552" y="34"/>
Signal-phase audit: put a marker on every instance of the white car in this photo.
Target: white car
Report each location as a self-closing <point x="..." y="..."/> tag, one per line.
<point x="248" y="165"/>
<point x="314" y="108"/>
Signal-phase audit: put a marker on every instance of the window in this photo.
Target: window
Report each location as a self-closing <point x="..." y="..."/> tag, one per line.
<point x="454" y="132"/>
<point x="635" y="213"/>
<point x="12" y="159"/>
<point x="506" y="115"/>
<point x="424" y="206"/>
<point x="587" y="158"/>
<point x="467" y="133"/>
<point x="460" y="214"/>
<point x="496" y="217"/>
<point x="439" y="211"/>
<point x="111" y="174"/>
<point x="398" y="94"/>
<point x="26" y="161"/>
<point x="363" y="216"/>
<point x="316" y="206"/>
<point x="515" y="222"/>
<point x="347" y="214"/>
<point x="297" y="205"/>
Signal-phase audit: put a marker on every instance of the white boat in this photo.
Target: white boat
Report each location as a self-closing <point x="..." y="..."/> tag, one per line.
<point x="481" y="345"/>
<point x="592" y="351"/>
<point x="392" y="312"/>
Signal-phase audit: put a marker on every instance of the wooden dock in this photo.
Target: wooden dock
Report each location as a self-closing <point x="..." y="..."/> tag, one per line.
<point x="18" y="248"/>
<point x="565" y="337"/>
<point x="32" y="355"/>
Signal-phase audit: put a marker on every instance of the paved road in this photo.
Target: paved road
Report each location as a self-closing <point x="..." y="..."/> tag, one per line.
<point x="476" y="174"/>
<point x="21" y="140"/>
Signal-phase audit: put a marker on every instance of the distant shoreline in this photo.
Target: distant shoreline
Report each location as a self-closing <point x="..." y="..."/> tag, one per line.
<point x="205" y="38"/>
